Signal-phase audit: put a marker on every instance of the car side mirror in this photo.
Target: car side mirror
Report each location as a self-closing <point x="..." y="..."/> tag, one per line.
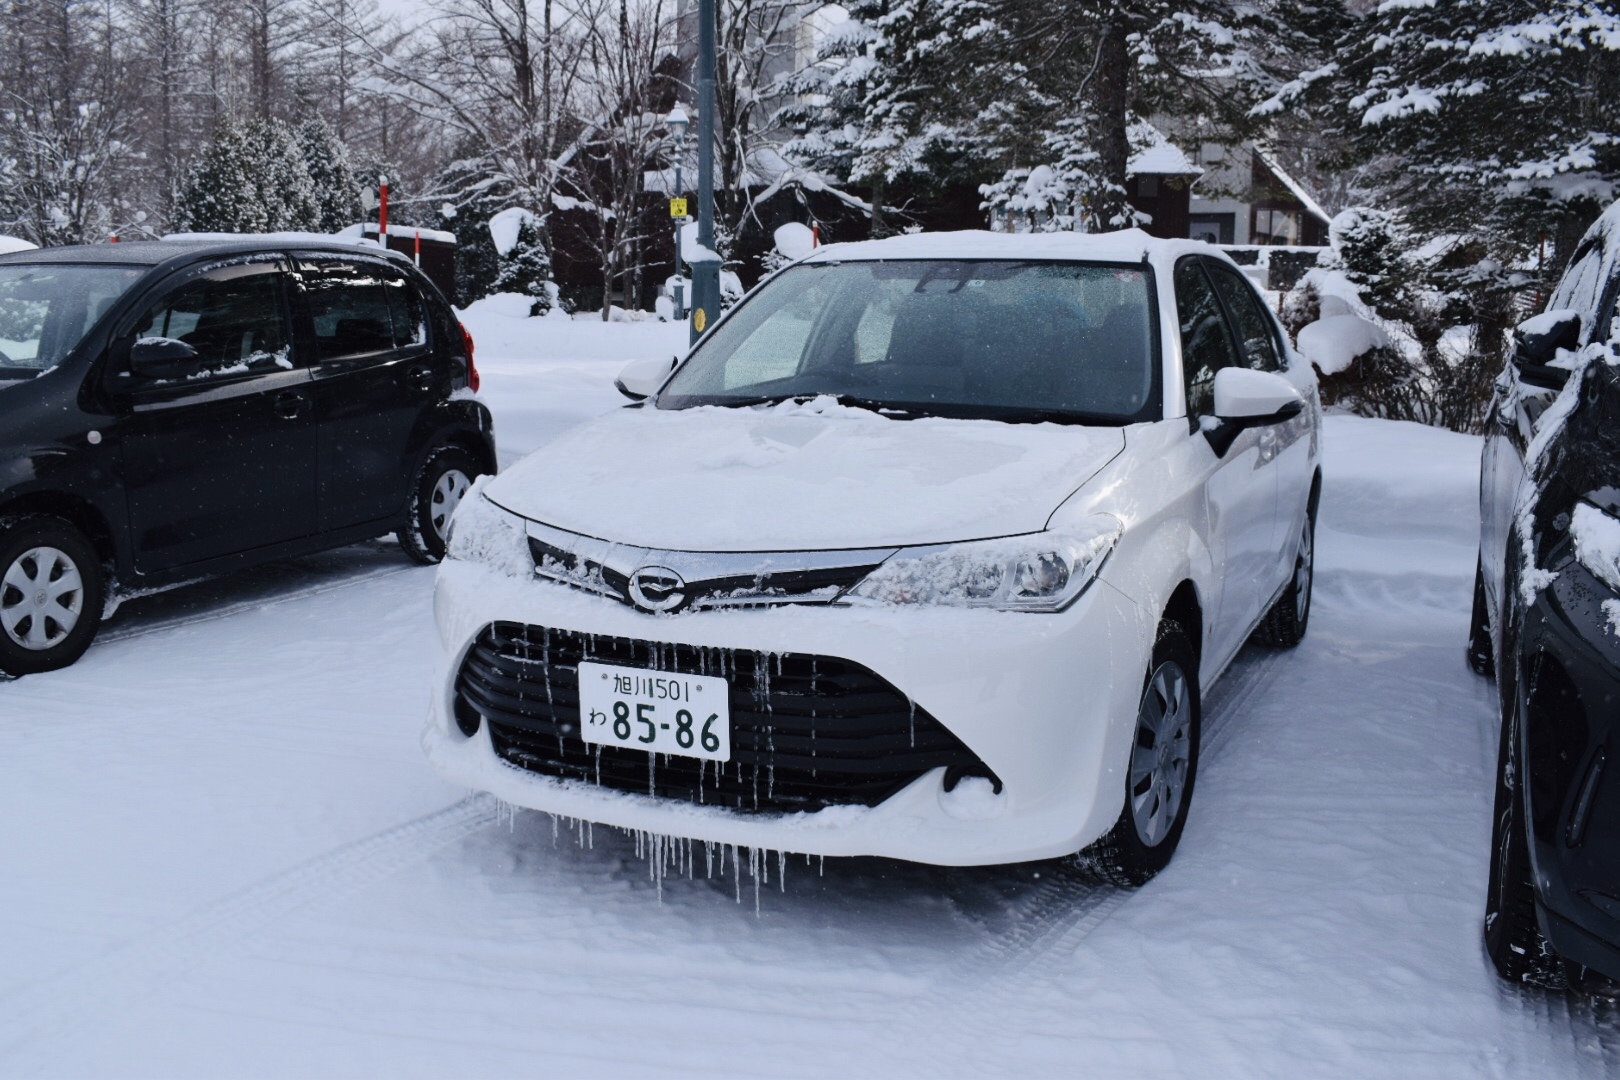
<point x="163" y="358"/>
<point x="1245" y="398"/>
<point x="1536" y="343"/>
<point x="640" y="379"/>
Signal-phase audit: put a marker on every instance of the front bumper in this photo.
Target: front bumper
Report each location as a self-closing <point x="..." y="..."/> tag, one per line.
<point x="1048" y="702"/>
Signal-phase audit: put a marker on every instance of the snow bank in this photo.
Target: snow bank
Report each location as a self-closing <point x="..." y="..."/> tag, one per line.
<point x="1333" y="343"/>
<point x="9" y="244"/>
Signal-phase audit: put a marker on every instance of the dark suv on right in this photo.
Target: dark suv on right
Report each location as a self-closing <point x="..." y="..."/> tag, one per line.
<point x="175" y="409"/>
<point x="1547" y="623"/>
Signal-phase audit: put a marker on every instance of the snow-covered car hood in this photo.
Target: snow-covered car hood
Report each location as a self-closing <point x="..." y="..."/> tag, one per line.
<point x="800" y="477"/>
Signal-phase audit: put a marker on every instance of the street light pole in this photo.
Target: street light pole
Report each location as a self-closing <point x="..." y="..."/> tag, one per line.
<point x="706" y="268"/>
<point x="677" y="123"/>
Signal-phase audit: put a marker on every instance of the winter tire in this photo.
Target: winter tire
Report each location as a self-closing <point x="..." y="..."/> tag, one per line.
<point x="1163" y="767"/>
<point x="1479" y="652"/>
<point x="1513" y="938"/>
<point x="441" y="482"/>
<point x="52" y="590"/>
<point x="1284" y="625"/>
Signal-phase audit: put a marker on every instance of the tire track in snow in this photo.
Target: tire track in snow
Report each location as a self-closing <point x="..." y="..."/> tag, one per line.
<point x="38" y="1021"/>
<point x="1065" y="907"/>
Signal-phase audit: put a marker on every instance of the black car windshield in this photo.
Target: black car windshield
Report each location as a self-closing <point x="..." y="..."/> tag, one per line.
<point x="46" y="309"/>
<point x="1062" y="341"/>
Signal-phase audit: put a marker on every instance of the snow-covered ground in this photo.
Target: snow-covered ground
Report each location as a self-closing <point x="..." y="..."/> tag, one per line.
<point x="222" y="853"/>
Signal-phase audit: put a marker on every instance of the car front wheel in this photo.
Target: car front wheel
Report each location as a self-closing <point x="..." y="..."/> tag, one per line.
<point x="440" y="484"/>
<point x="51" y="594"/>
<point x="1163" y="766"/>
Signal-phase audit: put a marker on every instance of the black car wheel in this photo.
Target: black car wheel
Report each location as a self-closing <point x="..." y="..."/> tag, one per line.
<point x="1284" y="625"/>
<point x="1513" y="939"/>
<point x="1479" y="653"/>
<point x="51" y="594"/>
<point x="441" y="482"/>
<point x="1163" y="767"/>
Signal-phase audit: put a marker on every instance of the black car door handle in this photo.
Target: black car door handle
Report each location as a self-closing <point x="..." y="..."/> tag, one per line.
<point x="290" y="404"/>
<point x="419" y="377"/>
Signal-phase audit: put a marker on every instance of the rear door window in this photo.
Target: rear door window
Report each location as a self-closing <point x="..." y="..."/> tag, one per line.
<point x="360" y="309"/>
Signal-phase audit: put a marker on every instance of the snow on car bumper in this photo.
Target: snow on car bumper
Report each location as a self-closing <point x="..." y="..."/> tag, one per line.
<point x="1048" y="702"/>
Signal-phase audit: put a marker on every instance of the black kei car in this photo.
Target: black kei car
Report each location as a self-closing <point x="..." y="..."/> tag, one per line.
<point x="175" y="409"/>
<point x="1546" y="622"/>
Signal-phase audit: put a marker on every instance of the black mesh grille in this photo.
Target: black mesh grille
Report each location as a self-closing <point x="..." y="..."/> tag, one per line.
<point x="806" y="731"/>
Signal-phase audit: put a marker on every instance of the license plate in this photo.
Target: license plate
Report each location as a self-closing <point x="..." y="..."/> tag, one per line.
<point x="659" y="711"/>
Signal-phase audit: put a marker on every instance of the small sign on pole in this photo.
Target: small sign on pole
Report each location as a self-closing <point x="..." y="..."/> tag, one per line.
<point x="677" y="208"/>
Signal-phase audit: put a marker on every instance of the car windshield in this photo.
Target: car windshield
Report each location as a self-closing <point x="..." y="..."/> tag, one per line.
<point x="1060" y="341"/>
<point x="45" y="310"/>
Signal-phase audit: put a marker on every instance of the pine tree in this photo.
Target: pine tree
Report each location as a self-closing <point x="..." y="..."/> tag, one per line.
<point x="250" y="179"/>
<point x="1490" y="117"/>
<point x="326" y="159"/>
<point x="526" y="268"/>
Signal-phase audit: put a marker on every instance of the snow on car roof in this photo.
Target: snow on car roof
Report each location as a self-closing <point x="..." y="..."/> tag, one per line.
<point x="1127" y="245"/>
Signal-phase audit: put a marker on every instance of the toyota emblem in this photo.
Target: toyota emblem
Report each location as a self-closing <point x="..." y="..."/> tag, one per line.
<point x="657" y="589"/>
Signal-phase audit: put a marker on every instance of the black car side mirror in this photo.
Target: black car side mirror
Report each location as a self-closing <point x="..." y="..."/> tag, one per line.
<point x="1536" y="343"/>
<point x="163" y="358"/>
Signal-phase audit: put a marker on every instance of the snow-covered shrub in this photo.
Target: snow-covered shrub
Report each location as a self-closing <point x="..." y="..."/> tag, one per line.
<point x="525" y="266"/>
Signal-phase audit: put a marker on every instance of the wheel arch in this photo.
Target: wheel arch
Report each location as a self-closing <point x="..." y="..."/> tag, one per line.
<point x="1187" y="610"/>
<point x="78" y="511"/>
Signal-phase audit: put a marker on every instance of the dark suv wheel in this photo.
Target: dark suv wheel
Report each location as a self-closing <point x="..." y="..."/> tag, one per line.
<point x="51" y="594"/>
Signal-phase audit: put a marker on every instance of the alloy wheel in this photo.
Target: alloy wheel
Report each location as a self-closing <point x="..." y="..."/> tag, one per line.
<point x="1162" y="752"/>
<point x="41" y="598"/>
<point x="447" y="493"/>
<point x="1303" y="566"/>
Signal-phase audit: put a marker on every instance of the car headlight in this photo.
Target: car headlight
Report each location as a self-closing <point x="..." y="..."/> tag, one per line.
<point x="1039" y="572"/>
<point x="482" y="532"/>
<point x="1597" y="543"/>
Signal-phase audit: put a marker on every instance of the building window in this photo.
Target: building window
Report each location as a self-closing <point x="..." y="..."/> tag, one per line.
<point x="1275" y="227"/>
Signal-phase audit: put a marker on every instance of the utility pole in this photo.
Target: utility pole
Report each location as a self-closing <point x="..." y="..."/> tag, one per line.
<point x="705" y="270"/>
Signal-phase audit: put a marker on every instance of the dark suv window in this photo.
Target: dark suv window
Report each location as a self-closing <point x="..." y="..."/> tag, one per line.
<point x="1206" y="342"/>
<point x="360" y="308"/>
<point x="232" y="316"/>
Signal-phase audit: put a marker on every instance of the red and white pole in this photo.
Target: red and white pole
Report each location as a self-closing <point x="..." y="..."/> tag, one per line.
<point x="416" y="254"/>
<point x="382" y="210"/>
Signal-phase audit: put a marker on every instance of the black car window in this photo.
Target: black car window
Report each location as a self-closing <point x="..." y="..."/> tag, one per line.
<point x="1206" y="342"/>
<point x="1578" y="289"/>
<point x="234" y="317"/>
<point x="350" y="306"/>
<point x="405" y="308"/>
<point x="1253" y="324"/>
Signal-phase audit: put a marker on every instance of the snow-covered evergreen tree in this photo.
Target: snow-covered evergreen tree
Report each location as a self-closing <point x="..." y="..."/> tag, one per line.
<point x="525" y="267"/>
<point x="1492" y="117"/>
<point x="326" y="159"/>
<point x="250" y="179"/>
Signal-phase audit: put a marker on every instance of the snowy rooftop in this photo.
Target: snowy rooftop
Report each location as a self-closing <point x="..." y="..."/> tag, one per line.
<point x="1154" y="155"/>
<point x="1127" y="245"/>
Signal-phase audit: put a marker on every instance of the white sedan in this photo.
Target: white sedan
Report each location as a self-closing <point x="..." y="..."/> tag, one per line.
<point x="928" y="550"/>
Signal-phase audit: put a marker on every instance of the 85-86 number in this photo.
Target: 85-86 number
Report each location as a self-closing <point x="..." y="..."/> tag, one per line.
<point x="662" y="712"/>
<point x="684" y="725"/>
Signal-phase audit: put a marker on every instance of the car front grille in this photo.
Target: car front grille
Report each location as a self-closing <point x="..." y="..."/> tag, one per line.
<point x="807" y="732"/>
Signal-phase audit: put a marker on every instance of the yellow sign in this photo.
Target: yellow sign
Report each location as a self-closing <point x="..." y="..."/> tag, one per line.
<point x="677" y="208"/>
<point x="700" y="319"/>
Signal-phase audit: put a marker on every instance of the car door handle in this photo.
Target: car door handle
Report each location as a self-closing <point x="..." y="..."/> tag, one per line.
<point x="419" y="377"/>
<point x="290" y="404"/>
